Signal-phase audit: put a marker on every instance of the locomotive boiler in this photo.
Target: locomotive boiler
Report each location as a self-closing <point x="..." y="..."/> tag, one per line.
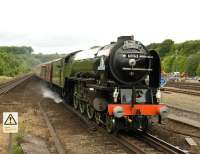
<point x="116" y="84"/>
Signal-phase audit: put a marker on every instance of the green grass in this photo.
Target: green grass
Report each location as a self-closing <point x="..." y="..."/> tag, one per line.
<point x="19" y="138"/>
<point x="5" y="78"/>
<point x="17" y="149"/>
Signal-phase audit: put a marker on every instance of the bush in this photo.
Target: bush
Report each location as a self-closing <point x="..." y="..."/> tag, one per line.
<point x="19" y="138"/>
<point x="198" y="70"/>
<point x="19" y="60"/>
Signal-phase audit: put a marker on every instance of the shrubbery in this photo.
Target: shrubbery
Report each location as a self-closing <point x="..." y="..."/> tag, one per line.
<point x="198" y="70"/>
<point x="181" y="57"/>
<point x="10" y="65"/>
<point x="20" y="60"/>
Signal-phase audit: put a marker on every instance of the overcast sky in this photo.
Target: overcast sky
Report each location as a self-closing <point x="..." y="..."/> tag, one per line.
<point x="62" y="26"/>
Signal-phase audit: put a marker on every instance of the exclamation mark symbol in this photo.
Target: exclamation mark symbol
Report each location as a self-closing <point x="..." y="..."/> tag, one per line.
<point x="10" y="118"/>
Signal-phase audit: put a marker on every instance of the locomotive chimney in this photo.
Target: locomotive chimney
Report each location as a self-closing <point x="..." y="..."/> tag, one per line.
<point x="124" y="38"/>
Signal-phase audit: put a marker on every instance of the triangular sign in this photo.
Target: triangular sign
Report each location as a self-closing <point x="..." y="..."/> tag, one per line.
<point x="10" y="120"/>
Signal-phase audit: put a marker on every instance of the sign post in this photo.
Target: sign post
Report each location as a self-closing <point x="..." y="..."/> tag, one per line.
<point x="10" y="125"/>
<point x="162" y="82"/>
<point x="10" y="144"/>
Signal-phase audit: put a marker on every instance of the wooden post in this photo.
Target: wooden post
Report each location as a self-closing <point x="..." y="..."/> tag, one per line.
<point x="10" y="144"/>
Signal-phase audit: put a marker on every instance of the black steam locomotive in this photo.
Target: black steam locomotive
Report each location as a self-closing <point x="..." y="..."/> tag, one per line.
<point x="116" y="84"/>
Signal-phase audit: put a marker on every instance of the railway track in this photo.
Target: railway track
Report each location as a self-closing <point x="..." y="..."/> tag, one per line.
<point x="139" y="142"/>
<point x="97" y="140"/>
<point x="7" y="86"/>
<point x="183" y="124"/>
<point x="186" y="88"/>
<point x="146" y="143"/>
<point x="184" y="113"/>
<point x="187" y="118"/>
<point x="177" y="90"/>
<point x="183" y="84"/>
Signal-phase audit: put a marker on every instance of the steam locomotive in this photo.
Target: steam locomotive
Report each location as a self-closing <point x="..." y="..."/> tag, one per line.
<point x="116" y="85"/>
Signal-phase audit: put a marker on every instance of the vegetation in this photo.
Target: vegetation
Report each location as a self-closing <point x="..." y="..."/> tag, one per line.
<point x="180" y="57"/>
<point x="19" y="60"/>
<point x="5" y="79"/>
<point x="17" y="149"/>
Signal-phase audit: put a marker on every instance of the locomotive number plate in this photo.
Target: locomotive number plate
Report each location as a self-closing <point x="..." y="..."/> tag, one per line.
<point x="133" y="55"/>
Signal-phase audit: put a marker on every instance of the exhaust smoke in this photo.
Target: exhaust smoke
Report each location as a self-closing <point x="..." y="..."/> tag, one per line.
<point x="47" y="93"/>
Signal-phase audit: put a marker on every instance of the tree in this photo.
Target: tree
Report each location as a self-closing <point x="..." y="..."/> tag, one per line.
<point x="189" y="47"/>
<point x="186" y="59"/>
<point x="179" y="64"/>
<point x="16" y="50"/>
<point x="167" y="63"/>
<point x="166" y="47"/>
<point x="198" y="70"/>
<point x="192" y="63"/>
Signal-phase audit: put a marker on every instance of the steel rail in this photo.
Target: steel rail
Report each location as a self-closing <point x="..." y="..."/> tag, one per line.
<point x="163" y="144"/>
<point x="93" y="126"/>
<point x="184" y="91"/>
<point x="194" y="115"/>
<point x="183" y="110"/>
<point x="184" y="83"/>
<point x="128" y="144"/>
<point x="157" y="143"/>
<point x="181" y="87"/>
<point x="7" y="86"/>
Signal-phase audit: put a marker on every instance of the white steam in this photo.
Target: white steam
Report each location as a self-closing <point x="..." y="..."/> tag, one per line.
<point x="47" y="93"/>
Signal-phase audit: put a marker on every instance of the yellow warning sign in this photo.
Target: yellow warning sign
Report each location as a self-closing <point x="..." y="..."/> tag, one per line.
<point x="10" y="122"/>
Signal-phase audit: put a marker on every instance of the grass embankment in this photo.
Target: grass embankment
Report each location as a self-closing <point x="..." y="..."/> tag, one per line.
<point x="4" y="79"/>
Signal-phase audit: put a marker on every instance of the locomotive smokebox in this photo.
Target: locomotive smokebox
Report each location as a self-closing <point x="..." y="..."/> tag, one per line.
<point x="129" y="61"/>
